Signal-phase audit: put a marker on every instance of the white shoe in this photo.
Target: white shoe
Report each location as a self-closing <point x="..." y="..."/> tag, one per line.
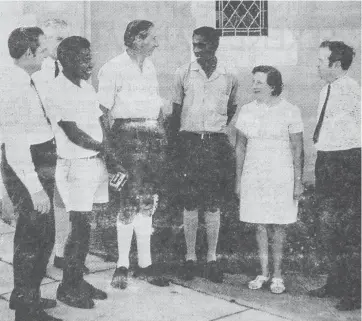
<point x="258" y="282"/>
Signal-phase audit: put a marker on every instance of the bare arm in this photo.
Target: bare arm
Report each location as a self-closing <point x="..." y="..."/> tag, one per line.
<point x="296" y="142"/>
<point x="79" y="137"/>
<point x="240" y="145"/>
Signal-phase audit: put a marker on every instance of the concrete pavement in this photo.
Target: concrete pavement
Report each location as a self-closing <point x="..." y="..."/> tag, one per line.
<point x="196" y="300"/>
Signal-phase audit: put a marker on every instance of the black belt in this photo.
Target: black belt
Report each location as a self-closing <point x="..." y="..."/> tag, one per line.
<point x="132" y="120"/>
<point x="90" y="157"/>
<point x="201" y="136"/>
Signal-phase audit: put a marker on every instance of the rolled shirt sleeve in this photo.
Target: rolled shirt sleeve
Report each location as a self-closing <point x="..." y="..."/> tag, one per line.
<point x="178" y="88"/>
<point x="107" y="86"/>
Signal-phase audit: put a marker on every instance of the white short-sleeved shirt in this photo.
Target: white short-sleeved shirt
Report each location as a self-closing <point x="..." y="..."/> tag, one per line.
<point x="47" y="72"/>
<point x="68" y="102"/>
<point x="204" y="100"/>
<point x="341" y="128"/>
<point x="127" y="91"/>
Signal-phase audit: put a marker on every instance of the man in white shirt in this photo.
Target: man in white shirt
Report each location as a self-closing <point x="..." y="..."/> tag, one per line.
<point x="81" y="174"/>
<point x="338" y="174"/>
<point x="55" y="31"/>
<point x="28" y="163"/>
<point x="128" y="93"/>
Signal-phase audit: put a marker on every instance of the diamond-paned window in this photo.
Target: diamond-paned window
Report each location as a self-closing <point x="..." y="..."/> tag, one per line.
<point x="242" y="18"/>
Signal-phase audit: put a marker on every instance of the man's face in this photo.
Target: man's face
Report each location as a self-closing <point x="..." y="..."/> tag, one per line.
<point x="54" y="37"/>
<point x="261" y="89"/>
<point x="36" y="59"/>
<point x="83" y="65"/>
<point x="202" y="48"/>
<point x="325" y="71"/>
<point x="149" y="44"/>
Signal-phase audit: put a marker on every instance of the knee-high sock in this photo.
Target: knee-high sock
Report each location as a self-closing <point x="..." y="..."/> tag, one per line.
<point x="124" y="239"/>
<point x="212" y="221"/>
<point x="191" y="222"/>
<point x="62" y="224"/>
<point x="143" y="229"/>
<point x="62" y="228"/>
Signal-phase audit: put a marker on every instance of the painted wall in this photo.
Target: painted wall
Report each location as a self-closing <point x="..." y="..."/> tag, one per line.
<point x="296" y="30"/>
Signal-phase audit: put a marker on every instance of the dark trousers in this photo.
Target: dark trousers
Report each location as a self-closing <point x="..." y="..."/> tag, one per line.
<point x="35" y="232"/>
<point x="338" y="188"/>
<point x="76" y="249"/>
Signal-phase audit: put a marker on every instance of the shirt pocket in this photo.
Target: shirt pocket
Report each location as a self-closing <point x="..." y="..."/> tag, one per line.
<point x="221" y="102"/>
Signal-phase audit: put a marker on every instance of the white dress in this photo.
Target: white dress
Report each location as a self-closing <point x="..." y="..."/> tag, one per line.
<point x="267" y="181"/>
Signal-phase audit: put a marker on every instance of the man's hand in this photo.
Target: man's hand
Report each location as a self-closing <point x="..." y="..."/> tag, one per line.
<point x="41" y="202"/>
<point x="298" y="190"/>
<point x="237" y="189"/>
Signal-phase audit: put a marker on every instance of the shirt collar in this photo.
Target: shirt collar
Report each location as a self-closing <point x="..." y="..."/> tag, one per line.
<point x="220" y="68"/>
<point x="67" y="83"/>
<point x="339" y="81"/>
<point x="132" y="63"/>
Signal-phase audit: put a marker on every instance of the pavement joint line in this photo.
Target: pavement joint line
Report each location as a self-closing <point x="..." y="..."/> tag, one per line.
<point x="229" y="315"/>
<point x="231" y="300"/>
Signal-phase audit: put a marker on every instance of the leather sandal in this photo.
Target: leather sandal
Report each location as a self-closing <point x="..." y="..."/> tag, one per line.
<point x="277" y="286"/>
<point x="258" y="282"/>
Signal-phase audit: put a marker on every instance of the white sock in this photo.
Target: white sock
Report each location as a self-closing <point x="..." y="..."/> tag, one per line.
<point x="212" y="221"/>
<point x="191" y="222"/>
<point x="143" y="229"/>
<point x="62" y="227"/>
<point x="124" y="239"/>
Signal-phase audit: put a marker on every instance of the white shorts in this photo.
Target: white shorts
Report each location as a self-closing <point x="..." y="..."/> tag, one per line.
<point x="82" y="182"/>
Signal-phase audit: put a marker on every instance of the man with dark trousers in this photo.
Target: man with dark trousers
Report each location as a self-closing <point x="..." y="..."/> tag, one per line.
<point x="203" y="104"/>
<point x="27" y="167"/>
<point x="337" y="138"/>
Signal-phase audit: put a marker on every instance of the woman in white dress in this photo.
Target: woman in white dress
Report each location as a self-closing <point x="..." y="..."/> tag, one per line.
<point x="269" y="151"/>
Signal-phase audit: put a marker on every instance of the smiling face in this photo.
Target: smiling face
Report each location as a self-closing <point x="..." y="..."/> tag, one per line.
<point x="83" y="67"/>
<point x="261" y="89"/>
<point x="146" y="46"/>
<point x="203" y="49"/>
<point x="54" y="37"/>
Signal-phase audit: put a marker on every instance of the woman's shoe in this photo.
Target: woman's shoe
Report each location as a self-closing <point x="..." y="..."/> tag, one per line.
<point x="277" y="286"/>
<point x="259" y="281"/>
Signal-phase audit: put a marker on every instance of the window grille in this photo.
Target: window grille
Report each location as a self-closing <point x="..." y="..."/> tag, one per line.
<point x="242" y="18"/>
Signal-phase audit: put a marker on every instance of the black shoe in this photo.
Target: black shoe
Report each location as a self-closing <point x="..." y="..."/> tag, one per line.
<point x="322" y="292"/>
<point x="93" y="292"/>
<point x="188" y="270"/>
<point x="120" y="277"/>
<point x="47" y="303"/>
<point x="85" y="270"/>
<point x="213" y="272"/>
<point x="349" y="304"/>
<point x="152" y="276"/>
<point x="39" y="315"/>
<point x="58" y="262"/>
<point x="74" y="297"/>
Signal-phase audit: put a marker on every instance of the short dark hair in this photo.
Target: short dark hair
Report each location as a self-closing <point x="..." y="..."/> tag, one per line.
<point x="70" y="48"/>
<point x="210" y="34"/>
<point x="339" y="52"/>
<point x="136" y="28"/>
<point x="21" y="39"/>
<point x="273" y="78"/>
